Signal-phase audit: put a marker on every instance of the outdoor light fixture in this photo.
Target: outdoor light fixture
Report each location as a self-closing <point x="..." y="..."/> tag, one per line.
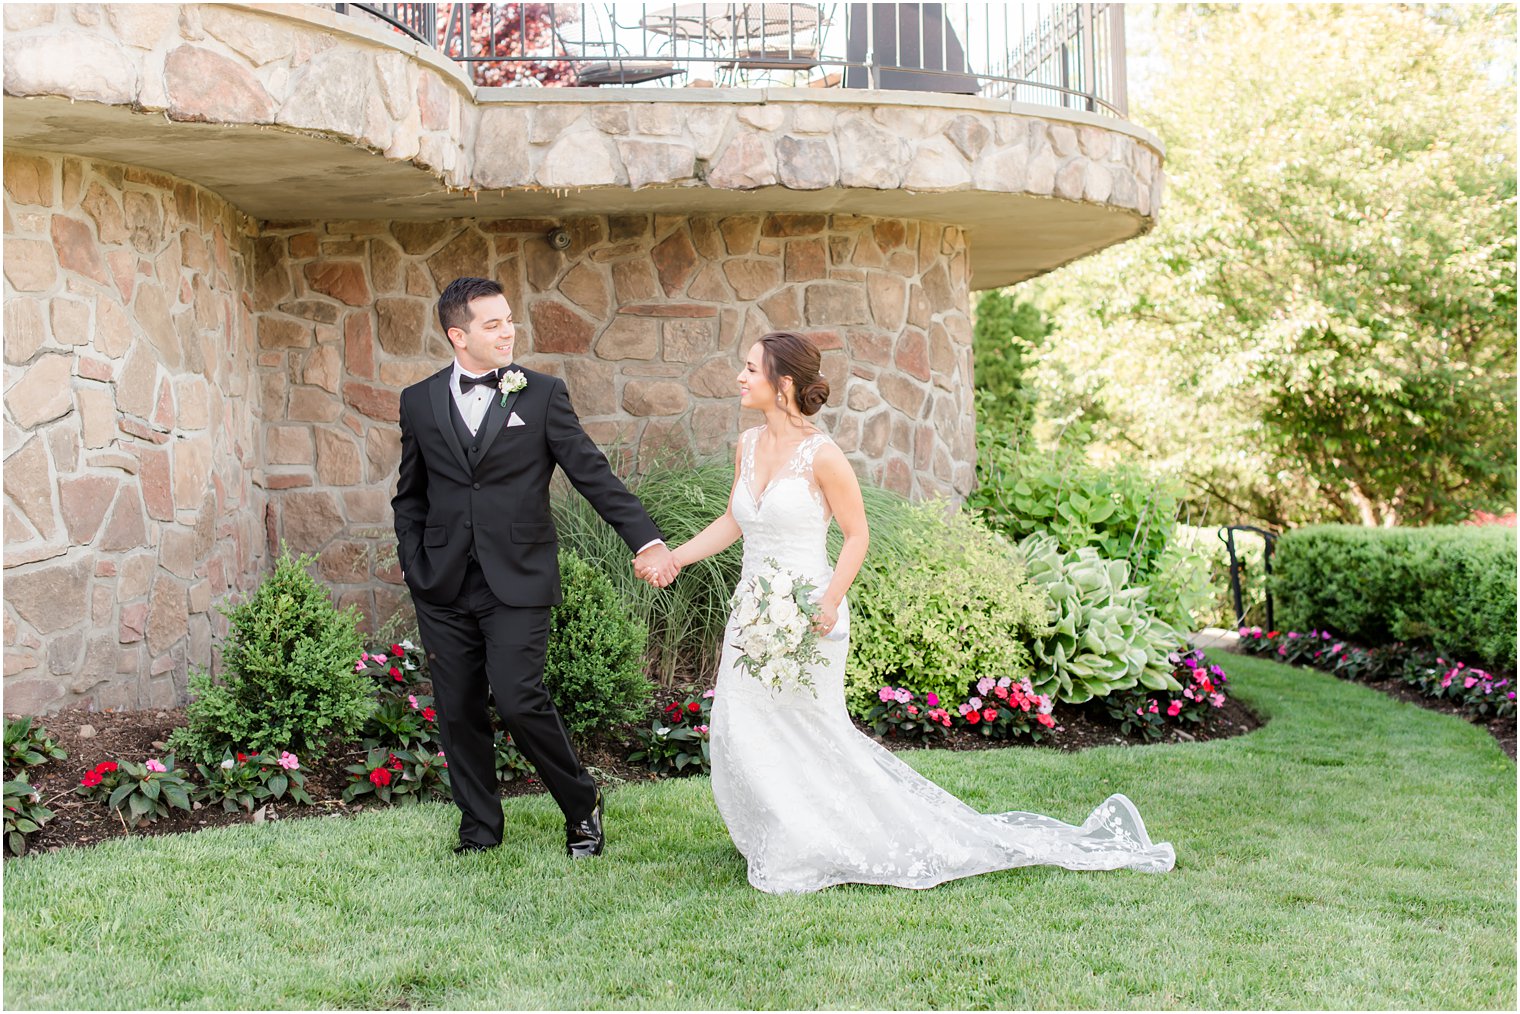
<point x="559" y="239"/>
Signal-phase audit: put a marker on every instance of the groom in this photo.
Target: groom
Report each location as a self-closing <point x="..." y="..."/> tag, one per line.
<point x="477" y="547"/>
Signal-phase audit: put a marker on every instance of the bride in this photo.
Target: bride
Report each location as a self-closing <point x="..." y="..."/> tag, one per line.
<point x="809" y="800"/>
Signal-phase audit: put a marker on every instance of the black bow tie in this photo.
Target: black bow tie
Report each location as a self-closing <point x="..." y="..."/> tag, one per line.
<point x="488" y="379"/>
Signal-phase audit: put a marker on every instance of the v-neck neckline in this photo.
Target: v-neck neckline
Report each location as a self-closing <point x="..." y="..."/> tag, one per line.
<point x="780" y="473"/>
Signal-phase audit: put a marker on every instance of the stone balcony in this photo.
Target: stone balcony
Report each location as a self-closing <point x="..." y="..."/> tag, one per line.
<point x="226" y="227"/>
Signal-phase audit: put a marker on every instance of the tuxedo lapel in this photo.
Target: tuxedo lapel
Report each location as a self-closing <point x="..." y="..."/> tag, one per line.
<point x="496" y="417"/>
<point x="443" y="404"/>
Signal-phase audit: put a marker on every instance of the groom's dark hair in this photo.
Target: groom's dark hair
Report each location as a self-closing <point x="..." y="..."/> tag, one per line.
<point x="454" y="304"/>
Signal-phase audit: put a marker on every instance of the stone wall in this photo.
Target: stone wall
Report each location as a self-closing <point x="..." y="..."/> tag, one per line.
<point x="647" y="317"/>
<point x="131" y="440"/>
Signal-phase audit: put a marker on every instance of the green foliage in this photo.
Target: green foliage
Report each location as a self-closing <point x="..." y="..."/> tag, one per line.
<point x="1006" y="332"/>
<point x="1321" y="327"/>
<point x="677" y="743"/>
<point x="595" y="664"/>
<point x="1452" y="587"/>
<point x="399" y="776"/>
<point x="24" y="814"/>
<point x="28" y="744"/>
<point x="288" y="678"/>
<point x="686" y="620"/>
<point x="510" y="763"/>
<point x="241" y="781"/>
<point x="1103" y="637"/>
<point x="943" y="603"/>
<point x="1119" y="510"/>
<point x="140" y="793"/>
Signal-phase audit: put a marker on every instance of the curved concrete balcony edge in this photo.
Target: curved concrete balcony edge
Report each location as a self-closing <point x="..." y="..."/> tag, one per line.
<point x="297" y="113"/>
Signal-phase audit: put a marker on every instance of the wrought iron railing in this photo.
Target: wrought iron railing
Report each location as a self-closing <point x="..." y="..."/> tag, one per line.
<point x="1061" y="54"/>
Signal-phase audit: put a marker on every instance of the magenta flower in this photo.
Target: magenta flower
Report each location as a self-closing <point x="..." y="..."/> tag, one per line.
<point x="1174" y="708"/>
<point x="932" y="700"/>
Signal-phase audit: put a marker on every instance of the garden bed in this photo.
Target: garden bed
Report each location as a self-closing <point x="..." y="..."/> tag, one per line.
<point x="141" y="734"/>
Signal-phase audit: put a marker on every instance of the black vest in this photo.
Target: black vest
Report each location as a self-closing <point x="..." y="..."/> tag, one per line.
<point x="471" y="444"/>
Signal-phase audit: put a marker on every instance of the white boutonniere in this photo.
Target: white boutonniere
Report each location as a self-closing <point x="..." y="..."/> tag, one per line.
<point x="511" y="381"/>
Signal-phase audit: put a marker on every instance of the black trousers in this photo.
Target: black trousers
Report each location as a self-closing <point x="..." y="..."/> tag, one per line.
<point x="477" y="644"/>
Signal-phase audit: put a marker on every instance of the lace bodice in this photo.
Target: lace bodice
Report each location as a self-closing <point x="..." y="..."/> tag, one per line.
<point x="788" y="521"/>
<point x="810" y="801"/>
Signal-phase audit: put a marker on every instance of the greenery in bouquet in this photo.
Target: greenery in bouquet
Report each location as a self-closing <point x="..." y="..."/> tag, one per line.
<point x="774" y="612"/>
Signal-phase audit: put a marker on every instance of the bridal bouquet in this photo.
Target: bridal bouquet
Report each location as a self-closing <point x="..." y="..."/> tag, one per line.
<point x="777" y="642"/>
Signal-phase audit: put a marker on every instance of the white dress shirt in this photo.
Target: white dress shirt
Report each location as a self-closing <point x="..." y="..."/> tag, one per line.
<point x="474" y="403"/>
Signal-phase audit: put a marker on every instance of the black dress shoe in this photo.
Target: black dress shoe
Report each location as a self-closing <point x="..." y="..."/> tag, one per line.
<point x="583" y="838"/>
<point x="471" y="846"/>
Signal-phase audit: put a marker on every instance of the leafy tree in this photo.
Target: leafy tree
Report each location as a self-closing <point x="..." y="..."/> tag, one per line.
<point x="508" y="30"/>
<point x="1322" y="326"/>
<point x="1007" y="331"/>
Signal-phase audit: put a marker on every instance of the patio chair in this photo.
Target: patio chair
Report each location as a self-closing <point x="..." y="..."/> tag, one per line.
<point x="604" y="60"/>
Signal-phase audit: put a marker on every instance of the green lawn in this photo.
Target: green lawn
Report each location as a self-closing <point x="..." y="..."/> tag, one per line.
<point x="1354" y="853"/>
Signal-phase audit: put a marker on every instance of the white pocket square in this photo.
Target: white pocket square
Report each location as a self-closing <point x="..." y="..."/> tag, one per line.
<point x="515" y="420"/>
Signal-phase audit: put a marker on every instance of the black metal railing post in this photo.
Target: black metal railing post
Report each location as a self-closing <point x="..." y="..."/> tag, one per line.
<point x="1237" y="566"/>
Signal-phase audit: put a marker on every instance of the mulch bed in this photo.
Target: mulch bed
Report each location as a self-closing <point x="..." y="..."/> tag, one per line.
<point x="136" y="735"/>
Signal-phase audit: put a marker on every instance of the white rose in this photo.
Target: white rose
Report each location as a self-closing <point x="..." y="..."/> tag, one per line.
<point x="783" y="612"/>
<point x="782" y="584"/>
<point x="749" y="612"/>
<point x="770" y="673"/>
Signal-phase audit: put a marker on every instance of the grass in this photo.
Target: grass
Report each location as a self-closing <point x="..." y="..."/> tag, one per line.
<point x="1355" y="852"/>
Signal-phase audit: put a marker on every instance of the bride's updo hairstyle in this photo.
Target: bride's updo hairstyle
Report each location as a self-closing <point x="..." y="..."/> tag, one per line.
<point x="789" y="354"/>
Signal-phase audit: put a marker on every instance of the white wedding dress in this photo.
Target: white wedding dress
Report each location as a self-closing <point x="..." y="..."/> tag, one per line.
<point x="812" y="802"/>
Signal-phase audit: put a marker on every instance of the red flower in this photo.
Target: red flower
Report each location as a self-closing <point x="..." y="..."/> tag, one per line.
<point x="428" y="714"/>
<point x="973" y="717"/>
<point x="105" y="767"/>
<point x="394" y="763"/>
<point x="396" y="649"/>
<point x="1045" y="720"/>
<point x="395" y="673"/>
<point x="694" y="707"/>
<point x="242" y="757"/>
<point x="90" y="779"/>
<point x="379" y="777"/>
<point x="989" y="714"/>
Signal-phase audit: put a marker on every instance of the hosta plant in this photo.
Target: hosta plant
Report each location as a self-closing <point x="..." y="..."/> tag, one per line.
<point x="1102" y="636"/>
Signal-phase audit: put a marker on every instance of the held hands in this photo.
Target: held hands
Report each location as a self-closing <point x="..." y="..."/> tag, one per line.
<point x="657" y="565"/>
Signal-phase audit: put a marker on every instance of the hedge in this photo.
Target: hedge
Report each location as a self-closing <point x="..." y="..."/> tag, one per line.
<point x="1452" y="587"/>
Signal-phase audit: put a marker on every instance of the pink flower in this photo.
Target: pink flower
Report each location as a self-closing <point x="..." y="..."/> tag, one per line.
<point x="412" y="700"/>
<point x="1174" y="709"/>
<point x="975" y="702"/>
<point x="288" y="761"/>
<point x="358" y="667"/>
<point x="912" y="710"/>
<point x="1005" y="682"/>
<point x="702" y="729"/>
<point x="887" y="695"/>
<point x="1468" y="682"/>
<point x="1188" y="693"/>
<point x="1292" y="633"/>
<point x="709" y="694"/>
<point x="1045" y="720"/>
<point x="377" y="659"/>
<point x="985" y="684"/>
<point x="932" y="700"/>
<point x="989" y="714"/>
<point x="963" y="709"/>
<point x="902" y="696"/>
<point x="1217" y="700"/>
<point x="1001" y="693"/>
<point x="154" y="764"/>
<point x="1153" y="709"/>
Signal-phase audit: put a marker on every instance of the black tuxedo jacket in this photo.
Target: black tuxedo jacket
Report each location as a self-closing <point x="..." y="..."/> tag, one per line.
<point x="499" y="509"/>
